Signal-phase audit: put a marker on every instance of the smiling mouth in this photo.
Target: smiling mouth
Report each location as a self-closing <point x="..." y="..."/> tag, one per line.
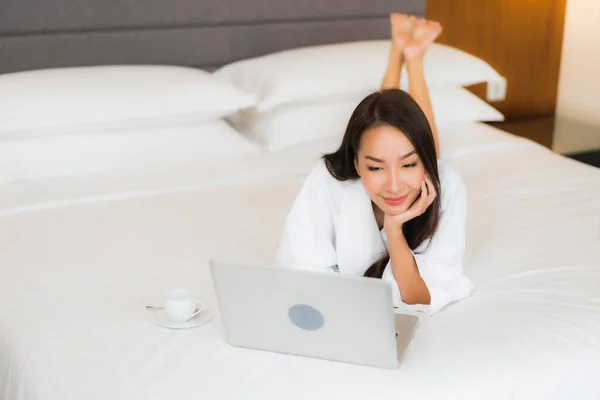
<point x="394" y="201"/>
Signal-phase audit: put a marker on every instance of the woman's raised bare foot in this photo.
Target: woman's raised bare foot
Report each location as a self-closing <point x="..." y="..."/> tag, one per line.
<point x="402" y="29"/>
<point x="424" y="33"/>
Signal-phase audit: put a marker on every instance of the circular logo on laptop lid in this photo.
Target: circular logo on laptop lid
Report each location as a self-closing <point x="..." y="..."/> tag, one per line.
<point x="306" y="317"/>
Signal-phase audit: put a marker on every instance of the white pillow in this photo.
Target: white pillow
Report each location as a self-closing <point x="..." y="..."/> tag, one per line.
<point x="122" y="151"/>
<point x="103" y="97"/>
<point x="320" y="72"/>
<point x="296" y="123"/>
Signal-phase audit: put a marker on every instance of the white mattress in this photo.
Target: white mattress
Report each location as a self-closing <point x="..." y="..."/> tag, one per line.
<point x="81" y="256"/>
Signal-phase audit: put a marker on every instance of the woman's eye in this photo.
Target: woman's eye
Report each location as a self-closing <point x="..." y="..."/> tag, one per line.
<point x="373" y="168"/>
<point x="410" y="165"/>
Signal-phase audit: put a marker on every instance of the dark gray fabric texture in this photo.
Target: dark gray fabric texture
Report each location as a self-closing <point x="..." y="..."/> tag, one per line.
<point x="37" y="34"/>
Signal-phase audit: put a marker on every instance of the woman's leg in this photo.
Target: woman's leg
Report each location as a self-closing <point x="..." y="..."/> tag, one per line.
<point x="424" y="33"/>
<point x="401" y="31"/>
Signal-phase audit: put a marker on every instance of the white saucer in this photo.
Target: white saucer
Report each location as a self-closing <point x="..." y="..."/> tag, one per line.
<point x="161" y="319"/>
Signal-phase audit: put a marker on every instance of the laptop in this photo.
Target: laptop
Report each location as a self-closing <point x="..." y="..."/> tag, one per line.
<point x="313" y="314"/>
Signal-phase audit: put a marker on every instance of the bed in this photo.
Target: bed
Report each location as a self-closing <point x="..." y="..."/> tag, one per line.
<point x="79" y="266"/>
<point x="81" y="256"/>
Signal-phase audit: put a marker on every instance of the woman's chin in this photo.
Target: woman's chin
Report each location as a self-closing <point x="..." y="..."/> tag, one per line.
<point x="393" y="210"/>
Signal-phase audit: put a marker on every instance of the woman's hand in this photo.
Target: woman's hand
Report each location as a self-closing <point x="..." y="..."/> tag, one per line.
<point x="428" y="194"/>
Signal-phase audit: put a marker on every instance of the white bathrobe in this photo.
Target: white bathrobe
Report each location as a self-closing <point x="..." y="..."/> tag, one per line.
<point x="331" y="227"/>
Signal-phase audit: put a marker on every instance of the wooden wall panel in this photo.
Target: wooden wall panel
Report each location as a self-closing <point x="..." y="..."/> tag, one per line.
<point x="522" y="39"/>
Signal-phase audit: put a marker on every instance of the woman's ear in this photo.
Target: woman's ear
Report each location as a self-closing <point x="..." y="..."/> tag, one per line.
<point x="356" y="166"/>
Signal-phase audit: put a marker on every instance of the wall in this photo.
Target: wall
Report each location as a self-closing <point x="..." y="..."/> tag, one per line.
<point x="522" y="39"/>
<point x="579" y="82"/>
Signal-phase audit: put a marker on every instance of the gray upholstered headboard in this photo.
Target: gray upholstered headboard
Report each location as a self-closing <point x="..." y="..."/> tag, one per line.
<point x="38" y="34"/>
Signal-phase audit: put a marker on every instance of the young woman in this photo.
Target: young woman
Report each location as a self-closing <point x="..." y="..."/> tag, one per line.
<point x="382" y="205"/>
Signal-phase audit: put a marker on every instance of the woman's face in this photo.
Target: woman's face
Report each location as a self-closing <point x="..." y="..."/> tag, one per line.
<point x="390" y="169"/>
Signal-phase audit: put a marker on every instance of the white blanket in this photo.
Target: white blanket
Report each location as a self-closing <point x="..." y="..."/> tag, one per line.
<point x="79" y="259"/>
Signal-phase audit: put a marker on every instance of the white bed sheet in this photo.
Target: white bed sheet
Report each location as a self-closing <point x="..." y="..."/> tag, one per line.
<point x="79" y="259"/>
<point x="62" y="153"/>
<point x="457" y="140"/>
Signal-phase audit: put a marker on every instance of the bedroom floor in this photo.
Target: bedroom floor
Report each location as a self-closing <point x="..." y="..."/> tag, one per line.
<point x="588" y="157"/>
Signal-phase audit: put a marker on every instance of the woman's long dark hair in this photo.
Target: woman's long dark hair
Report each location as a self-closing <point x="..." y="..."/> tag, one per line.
<point x="391" y="107"/>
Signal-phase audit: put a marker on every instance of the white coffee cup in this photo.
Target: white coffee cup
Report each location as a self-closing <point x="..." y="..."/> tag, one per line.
<point x="181" y="305"/>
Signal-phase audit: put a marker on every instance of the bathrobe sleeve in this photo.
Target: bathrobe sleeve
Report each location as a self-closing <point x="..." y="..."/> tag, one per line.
<point x="308" y="236"/>
<point x="441" y="263"/>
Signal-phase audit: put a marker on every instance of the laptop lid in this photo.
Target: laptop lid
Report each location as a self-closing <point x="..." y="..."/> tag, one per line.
<point x="306" y="313"/>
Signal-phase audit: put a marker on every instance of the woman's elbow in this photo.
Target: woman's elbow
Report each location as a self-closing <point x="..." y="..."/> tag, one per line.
<point x="420" y="297"/>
